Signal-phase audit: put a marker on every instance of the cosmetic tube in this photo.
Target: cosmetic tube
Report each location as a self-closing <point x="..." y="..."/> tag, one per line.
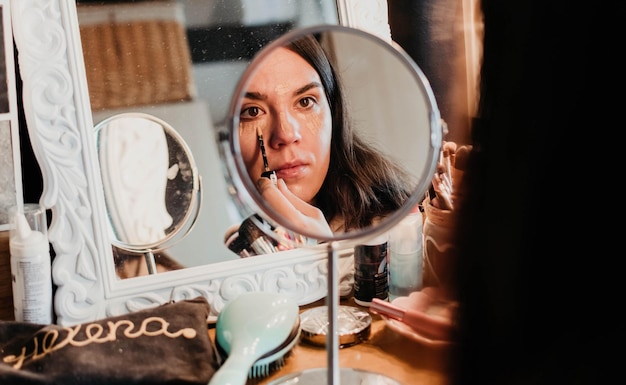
<point x="433" y="327"/>
<point x="31" y="265"/>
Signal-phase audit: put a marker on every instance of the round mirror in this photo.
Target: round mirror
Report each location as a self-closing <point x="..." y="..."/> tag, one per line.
<point x="151" y="185"/>
<point x="334" y="135"/>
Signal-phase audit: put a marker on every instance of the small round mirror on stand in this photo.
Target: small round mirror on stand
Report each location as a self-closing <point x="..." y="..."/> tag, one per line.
<point x="334" y="136"/>
<point x="151" y="186"/>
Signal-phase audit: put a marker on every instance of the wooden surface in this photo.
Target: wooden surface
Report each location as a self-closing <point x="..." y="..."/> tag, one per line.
<point x="6" y="290"/>
<point x="385" y="352"/>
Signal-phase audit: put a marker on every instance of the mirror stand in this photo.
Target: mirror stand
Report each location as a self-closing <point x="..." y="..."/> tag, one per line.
<point x="150" y="262"/>
<point x="333" y="372"/>
<point x="332" y="338"/>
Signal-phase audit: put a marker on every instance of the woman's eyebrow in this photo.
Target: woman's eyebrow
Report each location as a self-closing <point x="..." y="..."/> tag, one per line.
<point x="255" y="96"/>
<point x="307" y="87"/>
<point x="299" y="91"/>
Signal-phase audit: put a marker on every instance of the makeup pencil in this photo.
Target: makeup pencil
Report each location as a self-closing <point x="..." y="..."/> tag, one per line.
<point x="267" y="173"/>
<point x="259" y="136"/>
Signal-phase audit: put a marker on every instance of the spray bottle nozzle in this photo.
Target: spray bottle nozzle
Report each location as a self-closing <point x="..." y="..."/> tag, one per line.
<point x="22" y="227"/>
<point x="26" y="241"/>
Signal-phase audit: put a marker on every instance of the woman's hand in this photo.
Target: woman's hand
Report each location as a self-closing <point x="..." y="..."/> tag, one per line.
<point x="298" y="213"/>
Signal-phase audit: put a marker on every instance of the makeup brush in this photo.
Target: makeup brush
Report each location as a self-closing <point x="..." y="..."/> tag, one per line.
<point x="449" y="146"/>
<point x="253" y="237"/>
<point x="449" y="151"/>
<point x="460" y="162"/>
<point x="443" y="188"/>
<point x="461" y="156"/>
<point x="267" y="173"/>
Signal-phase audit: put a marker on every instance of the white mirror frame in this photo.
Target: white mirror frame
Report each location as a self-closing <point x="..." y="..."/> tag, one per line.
<point x="60" y="125"/>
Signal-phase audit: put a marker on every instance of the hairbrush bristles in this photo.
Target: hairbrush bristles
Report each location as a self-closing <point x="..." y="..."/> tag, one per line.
<point x="271" y="361"/>
<point x="262" y="371"/>
<point x="275" y="360"/>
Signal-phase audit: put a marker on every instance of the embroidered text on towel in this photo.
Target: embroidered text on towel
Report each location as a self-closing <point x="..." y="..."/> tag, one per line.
<point x="45" y="343"/>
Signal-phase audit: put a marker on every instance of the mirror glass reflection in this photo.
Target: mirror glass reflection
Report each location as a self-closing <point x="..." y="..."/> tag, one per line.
<point x="151" y="187"/>
<point x="179" y="60"/>
<point x="334" y="135"/>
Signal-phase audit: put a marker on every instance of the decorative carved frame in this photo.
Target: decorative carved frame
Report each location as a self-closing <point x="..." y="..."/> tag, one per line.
<point x="60" y="124"/>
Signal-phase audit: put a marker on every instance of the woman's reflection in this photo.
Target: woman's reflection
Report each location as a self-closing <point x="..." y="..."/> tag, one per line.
<point x="329" y="179"/>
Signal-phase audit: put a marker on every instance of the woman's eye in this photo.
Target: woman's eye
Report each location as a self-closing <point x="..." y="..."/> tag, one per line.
<point x="250" y="112"/>
<point x="306" y="102"/>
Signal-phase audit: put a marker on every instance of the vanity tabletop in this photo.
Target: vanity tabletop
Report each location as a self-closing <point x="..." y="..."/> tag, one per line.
<point x="385" y="351"/>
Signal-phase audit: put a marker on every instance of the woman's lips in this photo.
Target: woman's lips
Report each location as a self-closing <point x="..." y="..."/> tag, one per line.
<point x="291" y="171"/>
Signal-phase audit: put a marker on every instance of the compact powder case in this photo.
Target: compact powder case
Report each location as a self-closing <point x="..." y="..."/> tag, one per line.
<point x="353" y="325"/>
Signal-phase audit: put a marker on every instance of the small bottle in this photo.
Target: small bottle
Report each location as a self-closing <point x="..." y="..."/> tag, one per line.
<point x="405" y="255"/>
<point x="31" y="269"/>
<point x="371" y="272"/>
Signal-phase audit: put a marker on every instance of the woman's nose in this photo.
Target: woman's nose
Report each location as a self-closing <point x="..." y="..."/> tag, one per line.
<point x="286" y="130"/>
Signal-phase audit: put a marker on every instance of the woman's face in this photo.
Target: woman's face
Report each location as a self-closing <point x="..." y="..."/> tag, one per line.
<point x="286" y="103"/>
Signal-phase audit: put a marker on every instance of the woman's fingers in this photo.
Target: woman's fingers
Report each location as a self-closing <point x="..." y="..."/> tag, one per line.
<point x="299" y="204"/>
<point x="275" y="198"/>
<point x="300" y="214"/>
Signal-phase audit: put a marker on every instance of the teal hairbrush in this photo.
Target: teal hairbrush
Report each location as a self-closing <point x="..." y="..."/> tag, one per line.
<point x="254" y="333"/>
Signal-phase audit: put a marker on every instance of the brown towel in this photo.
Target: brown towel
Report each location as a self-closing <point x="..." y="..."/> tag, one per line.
<point x="168" y="344"/>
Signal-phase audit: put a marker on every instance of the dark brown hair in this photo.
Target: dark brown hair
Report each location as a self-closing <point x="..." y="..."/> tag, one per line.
<point x="361" y="184"/>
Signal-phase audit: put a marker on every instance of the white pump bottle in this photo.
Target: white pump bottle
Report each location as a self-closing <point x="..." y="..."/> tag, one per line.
<point x="31" y="266"/>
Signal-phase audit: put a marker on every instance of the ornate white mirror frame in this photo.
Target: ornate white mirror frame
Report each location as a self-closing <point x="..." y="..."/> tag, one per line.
<point x="60" y="125"/>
